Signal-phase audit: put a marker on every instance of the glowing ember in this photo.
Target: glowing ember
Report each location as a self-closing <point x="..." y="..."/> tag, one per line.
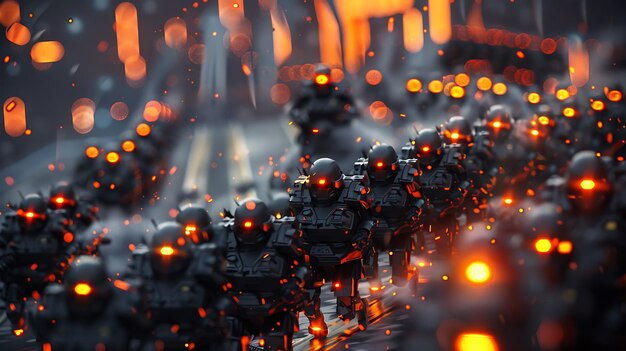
<point x="47" y="52"/>
<point x="14" y="117"/>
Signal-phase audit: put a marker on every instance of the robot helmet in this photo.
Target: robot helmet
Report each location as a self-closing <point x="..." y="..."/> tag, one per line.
<point x="322" y="75"/>
<point x="32" y="213"/>
<point x="458" y="130"/>
<point x="428" y="146"/>
<point x="86" y="281"/>
<point x="499" y="121"/>
<point x="382" y="162"/>
<point x="170" y="251"/>
<point x="588" y="188"/>
<point x="321" y="79"/>
<point x="252" y="221"/>
<point x="326" y="180"/>
<point x="196" y="223"/>
<point x="62" y="196"/>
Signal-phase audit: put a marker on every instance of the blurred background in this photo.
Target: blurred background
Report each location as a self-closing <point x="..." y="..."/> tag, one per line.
<point x="245" y="59"/>
<point x="80" y="73"/>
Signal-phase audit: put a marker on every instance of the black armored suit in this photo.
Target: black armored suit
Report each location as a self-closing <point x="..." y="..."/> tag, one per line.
<point x="320" y="107"/>
<point x="397" y="204"/>
<point x="478" y="162"/>
<point x="266" y="272"/>
<point x="332" y="211"/>
<point x="89" y="312"/>
<point x="183" y="290"/>
<point x="33" y="245"/>
<point x="444" y="185"/>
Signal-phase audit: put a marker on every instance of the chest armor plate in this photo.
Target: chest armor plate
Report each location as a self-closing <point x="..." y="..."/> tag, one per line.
<point x="256" y="271"/>
<point x="327" y="224"/>
<point x="390" y="202"/>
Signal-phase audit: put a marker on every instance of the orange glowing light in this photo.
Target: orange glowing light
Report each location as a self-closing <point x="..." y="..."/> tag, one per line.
<point x="127" y="31"/>
<point x="413" y="85"/>
<point x="247" y="224"/>
<point x="175" y="32"/>
<point x="135" y="70"/>
<point x="113" y="157"/>
<point x="379" y="164"/>
<point x="435" y="86"/>
<point x="337" y="285"/>
<point x="190" y="229"/>
<point x="614" y="95"/>
<point x="47" y="52"/>
<point x="413" y="30"/>
<point x="564" y="247"/>
<point x="476" y="342"/>
<point x="59" y="200"/>
<point x="83" y="111"/>
<point x="9" y="12"/>
<point x="478" y="272"/>
<point x="462" y="79"/>
<point x="143" y="129"/>
<point x="373" y="77"/>
<point x="454" y="136"/>
<point x="280" y="93"/>
<point x="322" y="79"/>
<point x="457" y="92"/>
<point x="281" y="35"/>
<point x="425" y="148"/>
<point x="82" y="289"/>
<point x="329" y="38"/>
<point x="598" y="105"/>
<point x="166" y="251"/>
<point x="483" y="83"/>
<point x="18" y="332"/>
<point x="14" y="116"/>
<point x="230" y="12"/>
<point x="497" y="124"/>
<point x="543" y="120"/>
<point x="128" y="146"/>
<point x="578" y="62"/>
<point x="587" y="184"/>
<point x="92" y="152"/>
<point x="562" y="94"/>
<point x="152" y="111"/>
<point x="569" y="112"/>
<point x="543" y="245"/>
<point x="499" y="89"/>
<point x="440" y="21"/>
<point x="18" y="34"/>
<point x="534" y="98"/>
<point x="534" y="132"/>
<point x="508" y="201"/>
<point x="68" y="237"/>
<point x="321" y="181"/>
<point x="315" y="130"/>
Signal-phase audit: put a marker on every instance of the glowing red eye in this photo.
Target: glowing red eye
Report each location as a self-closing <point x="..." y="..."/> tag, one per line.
<point x="497" y="124"/>
<point x="166" y="251"/>
<point x="379" y="164"/>
<point x="59" y="200"/>
<point x="587" y="184"/>
<point x="315" y="130"/>
<point x="426" y="148"/>
<point x="322" y="79"/>
<point x="82" y="289"/>
<point x="321" y="181"/>
<point x="454" y="135"/>
<point x="247" y="224"/>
